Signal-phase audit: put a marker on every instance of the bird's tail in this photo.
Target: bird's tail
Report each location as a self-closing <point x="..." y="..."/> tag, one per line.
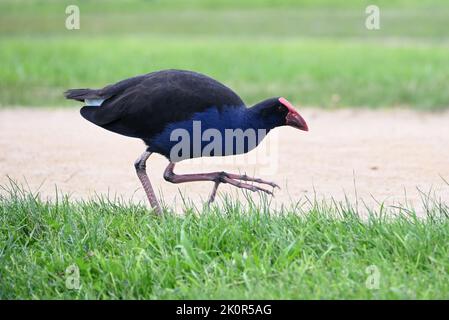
<point x="82" y="94"/>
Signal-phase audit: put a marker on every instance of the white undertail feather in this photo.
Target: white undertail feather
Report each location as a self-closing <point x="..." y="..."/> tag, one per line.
<point x="93" y="102"/>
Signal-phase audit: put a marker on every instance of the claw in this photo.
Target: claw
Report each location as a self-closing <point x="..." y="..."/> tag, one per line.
<point x="274" y="185"/>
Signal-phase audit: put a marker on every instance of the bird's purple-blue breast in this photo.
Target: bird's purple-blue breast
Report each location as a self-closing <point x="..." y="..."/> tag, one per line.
<point x="210" y="133"/>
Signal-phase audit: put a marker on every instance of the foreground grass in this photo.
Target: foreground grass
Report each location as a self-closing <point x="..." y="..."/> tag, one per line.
<point x="229" y="252"/>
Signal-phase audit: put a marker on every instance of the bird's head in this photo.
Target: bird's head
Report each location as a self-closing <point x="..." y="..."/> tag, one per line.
<point x="280" y="112"/>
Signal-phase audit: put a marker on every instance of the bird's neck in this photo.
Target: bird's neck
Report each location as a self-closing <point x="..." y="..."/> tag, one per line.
<point x="254" y="119"/>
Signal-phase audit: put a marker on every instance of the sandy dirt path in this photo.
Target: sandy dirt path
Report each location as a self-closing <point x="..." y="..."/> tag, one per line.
<point x="387" y="153"/>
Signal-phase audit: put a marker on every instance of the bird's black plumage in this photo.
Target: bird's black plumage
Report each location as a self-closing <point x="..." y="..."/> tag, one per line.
<point x="157" y="106"/>
<point x="142" y="106"/>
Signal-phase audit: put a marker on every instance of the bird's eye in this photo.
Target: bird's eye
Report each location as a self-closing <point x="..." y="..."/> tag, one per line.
<point x="280" y="108"/>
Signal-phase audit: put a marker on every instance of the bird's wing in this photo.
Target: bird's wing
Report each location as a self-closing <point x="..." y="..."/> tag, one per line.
<point x="144" y="107"/>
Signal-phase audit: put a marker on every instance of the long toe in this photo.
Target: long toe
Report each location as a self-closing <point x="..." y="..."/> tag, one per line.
<point x="248" y="178"/>
<point x="247" y="186"/>
<point x="271" y="184"/>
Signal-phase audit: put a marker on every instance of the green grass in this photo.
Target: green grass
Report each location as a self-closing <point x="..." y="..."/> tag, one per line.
<point x="54" y="6"/>
<point x="413" y="23"/>
<point x="225" y="252"/>
<point x="310" y="72"/>
<point x="313" y="52"/>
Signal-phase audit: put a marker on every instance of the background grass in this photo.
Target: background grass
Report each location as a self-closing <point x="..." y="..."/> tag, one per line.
<point x="226" y="252"/>
<point x="314" y="52"/>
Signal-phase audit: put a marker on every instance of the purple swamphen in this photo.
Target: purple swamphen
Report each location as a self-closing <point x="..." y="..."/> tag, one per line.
<point x="162" y="107"/>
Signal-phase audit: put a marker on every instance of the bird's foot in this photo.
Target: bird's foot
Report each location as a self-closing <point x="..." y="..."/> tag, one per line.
<point x="218" y="177"/>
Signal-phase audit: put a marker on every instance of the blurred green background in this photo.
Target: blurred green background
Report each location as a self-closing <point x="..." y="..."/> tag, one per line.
<point x="315" y="53"/>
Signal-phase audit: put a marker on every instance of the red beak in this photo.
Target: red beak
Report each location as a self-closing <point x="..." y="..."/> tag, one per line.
<point x="293" y="118"/>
